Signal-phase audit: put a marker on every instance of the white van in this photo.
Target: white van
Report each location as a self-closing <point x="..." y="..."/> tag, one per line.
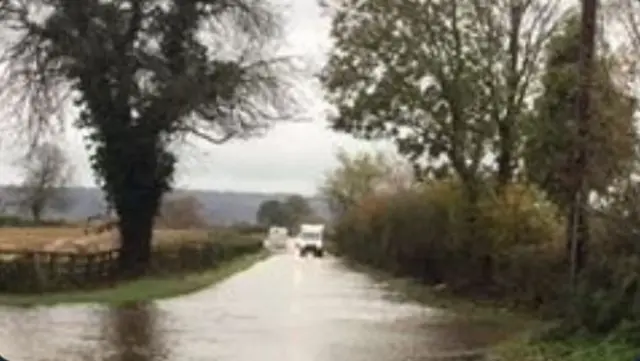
<point x="310" y="239"/>
<point x="277" y="238"/>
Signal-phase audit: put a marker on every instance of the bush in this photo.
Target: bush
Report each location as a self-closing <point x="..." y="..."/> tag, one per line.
<point x="608" y="294"/>
<point x="41" y="272"/>
<point x="501" y="246"/>
<point x="508" y="248"/>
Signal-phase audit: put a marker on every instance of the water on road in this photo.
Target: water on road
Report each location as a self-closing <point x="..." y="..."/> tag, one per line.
<point x="282" y="309"/>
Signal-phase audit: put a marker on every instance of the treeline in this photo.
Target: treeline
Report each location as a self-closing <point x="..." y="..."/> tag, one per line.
<point x="482" y="196"/>
<point x="289" y="213"/>
<point x="16" y="221"/>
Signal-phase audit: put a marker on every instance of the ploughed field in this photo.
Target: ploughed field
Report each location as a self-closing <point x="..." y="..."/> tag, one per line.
<point x="73" y="239"/>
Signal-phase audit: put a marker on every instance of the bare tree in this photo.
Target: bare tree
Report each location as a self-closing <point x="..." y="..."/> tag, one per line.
<point x="46" y="173"/>
<point x="363" y="174"/>
<point x="516" y="32"/>
<point x="624" y="18"/>
<point x="182" y="212"/>
<point x="619" y="31"/>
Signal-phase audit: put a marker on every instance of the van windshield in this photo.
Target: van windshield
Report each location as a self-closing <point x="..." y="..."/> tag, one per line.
<point x="310" y="236"/>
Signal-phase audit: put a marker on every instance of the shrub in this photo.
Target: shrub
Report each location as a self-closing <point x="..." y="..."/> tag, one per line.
<point x="509" y="247"/>
<point x="505" y="245"/>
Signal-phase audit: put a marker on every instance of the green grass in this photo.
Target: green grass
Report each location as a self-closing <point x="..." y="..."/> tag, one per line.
<point x="569" y="350"/>
<point x="144" y="289"/>
<point x="524" y="345"/>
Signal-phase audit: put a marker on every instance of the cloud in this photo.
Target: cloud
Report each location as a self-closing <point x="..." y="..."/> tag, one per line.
<point x="292" y="157"/>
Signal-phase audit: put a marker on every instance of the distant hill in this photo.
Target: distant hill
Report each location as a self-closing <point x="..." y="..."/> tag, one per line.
<point x="220" y="207"/>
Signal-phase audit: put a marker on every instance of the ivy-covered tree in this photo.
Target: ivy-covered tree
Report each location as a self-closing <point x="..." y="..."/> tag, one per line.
<point x="447" y="80"/>
<point x="144" y="73"/>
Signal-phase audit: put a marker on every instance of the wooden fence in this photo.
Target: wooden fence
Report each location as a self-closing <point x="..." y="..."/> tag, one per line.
<point x="35" y="272"/>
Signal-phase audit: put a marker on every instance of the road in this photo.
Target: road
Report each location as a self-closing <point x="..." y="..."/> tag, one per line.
<point x="284" y="308"/>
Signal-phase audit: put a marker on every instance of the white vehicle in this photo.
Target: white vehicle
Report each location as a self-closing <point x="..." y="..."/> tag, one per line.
<point x="310" y="240"/>
<point x="277" y="238"/>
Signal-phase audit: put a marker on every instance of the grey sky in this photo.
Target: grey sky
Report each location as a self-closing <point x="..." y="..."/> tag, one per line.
<point x="291" y="158"/>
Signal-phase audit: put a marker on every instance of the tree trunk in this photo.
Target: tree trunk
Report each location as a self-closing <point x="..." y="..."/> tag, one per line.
<point x="36" y="213"/>
<point x="579" y="229"/>
<point x="137" y="195"/>
<point x="507" y="123"/>
<point x="136" y="233"/>
<point x="577" y="236"/>
<point x="505" y="158"/>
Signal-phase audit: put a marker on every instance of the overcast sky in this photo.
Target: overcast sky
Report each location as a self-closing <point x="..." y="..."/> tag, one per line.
<point x="291" y="158"/>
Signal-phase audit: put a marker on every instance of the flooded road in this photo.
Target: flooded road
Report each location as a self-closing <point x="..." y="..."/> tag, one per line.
<point x="284" y="308"/>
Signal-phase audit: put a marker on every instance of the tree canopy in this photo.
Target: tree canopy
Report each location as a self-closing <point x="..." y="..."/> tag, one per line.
<point x="272" y="213"/>
<point x="447" y="80"/>
<point x="360" y="175"/>
<point x="552" y="129"/>
<point x="289" y="213"/>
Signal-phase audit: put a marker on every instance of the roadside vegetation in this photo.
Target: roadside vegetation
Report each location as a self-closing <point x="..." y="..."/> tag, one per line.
<point x="182" y="261"/>
<point x="139" y="78"/>
<point x="289" y="213"/>
<point x="147" y="288"/>
<point x="72" y="261"/>
<point x="500" y="192"/>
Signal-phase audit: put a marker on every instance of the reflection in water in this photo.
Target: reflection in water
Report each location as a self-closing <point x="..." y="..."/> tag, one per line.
<point x="131" y="333"/>
<point x="48" y="334"/>
<point x="284" y="308"/>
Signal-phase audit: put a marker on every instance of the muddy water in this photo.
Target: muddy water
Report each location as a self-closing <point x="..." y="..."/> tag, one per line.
<point x="285" y="309"/>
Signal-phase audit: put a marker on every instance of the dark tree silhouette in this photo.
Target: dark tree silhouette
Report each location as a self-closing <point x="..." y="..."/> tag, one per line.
<point x="145" y="73"/>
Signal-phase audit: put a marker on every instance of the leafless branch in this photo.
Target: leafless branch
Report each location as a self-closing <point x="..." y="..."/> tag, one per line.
<point x="33" y="90"/>
<point x="240" y="88"/>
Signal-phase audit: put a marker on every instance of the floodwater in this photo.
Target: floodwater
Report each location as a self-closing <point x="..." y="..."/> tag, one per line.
<point x="282" y="309"/>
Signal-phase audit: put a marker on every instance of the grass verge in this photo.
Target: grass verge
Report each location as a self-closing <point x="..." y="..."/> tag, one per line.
<point x="577" y="349"/>
<point x="437" y="297"/>
<point x="145" y="289"/>
<point x="525" y="345"/>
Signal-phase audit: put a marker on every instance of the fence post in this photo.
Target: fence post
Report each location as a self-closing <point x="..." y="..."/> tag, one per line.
<point x="72" y="269"/>
<point x="90" y="267"/>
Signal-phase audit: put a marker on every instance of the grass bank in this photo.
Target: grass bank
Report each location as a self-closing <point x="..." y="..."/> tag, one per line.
<point x="532" y="337"/>
<point x="408" y="288"/>
<point x="507" y="251"/>
<point x="145" y="289"/>
<point x="528" y="342"/>
<point x="575" y="349"/>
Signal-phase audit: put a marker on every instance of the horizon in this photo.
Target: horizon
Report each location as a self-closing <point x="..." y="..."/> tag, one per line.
<point x="202" y="190"/>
